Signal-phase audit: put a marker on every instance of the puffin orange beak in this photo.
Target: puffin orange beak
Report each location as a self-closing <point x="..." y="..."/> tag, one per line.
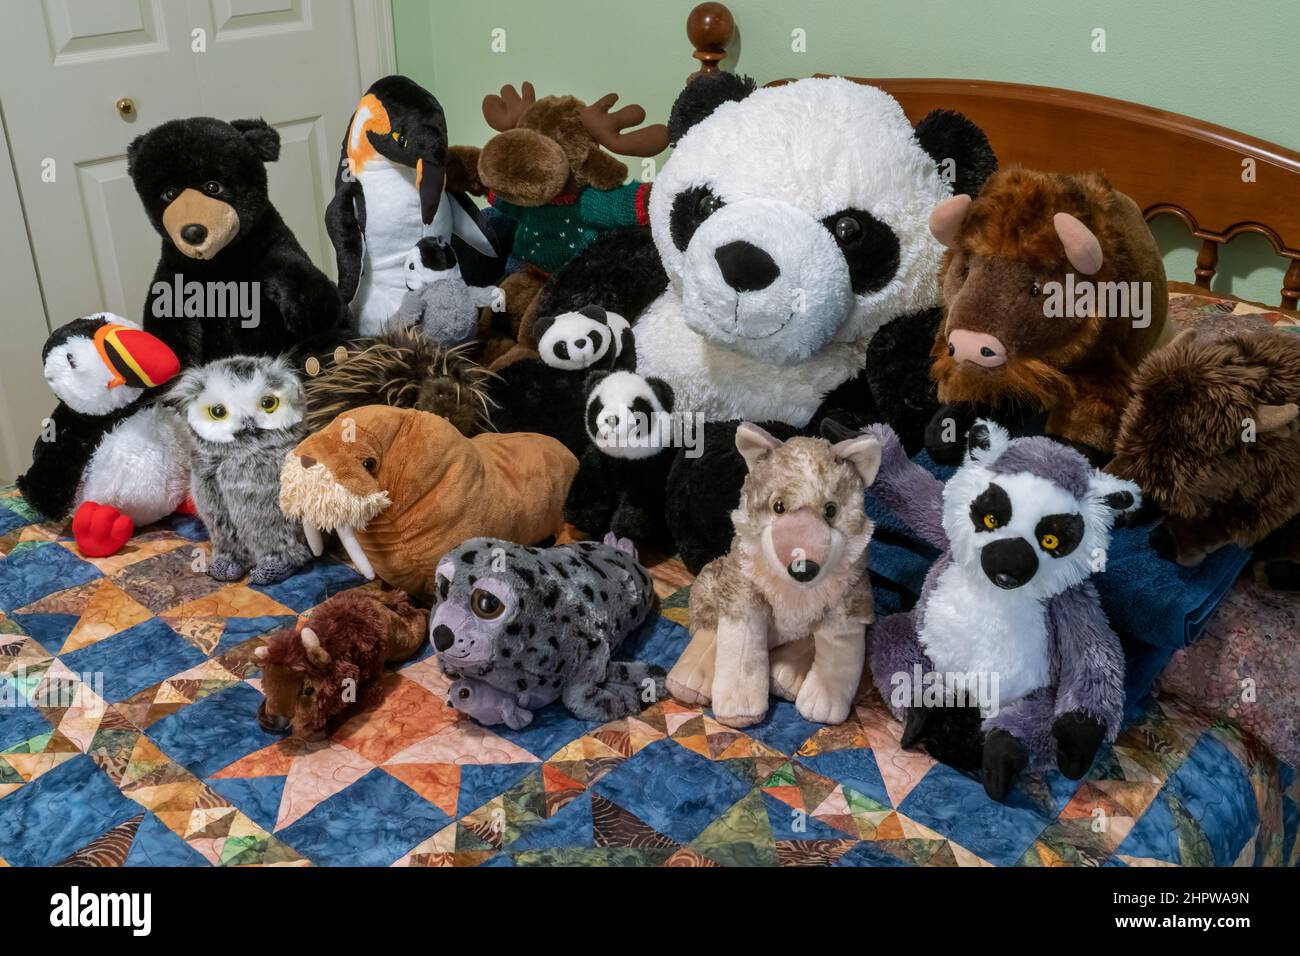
<point x="135" y="357"/>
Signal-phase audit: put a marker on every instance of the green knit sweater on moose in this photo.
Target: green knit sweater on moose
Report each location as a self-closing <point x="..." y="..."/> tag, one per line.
<point x="549" y="236"/>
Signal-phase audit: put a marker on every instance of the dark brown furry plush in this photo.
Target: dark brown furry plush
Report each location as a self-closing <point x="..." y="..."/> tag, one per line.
<point x="994" y="278"/>
<point x="403" y="369"/>
<point x="313" y="673"/>
<point x="1186" y="439"/>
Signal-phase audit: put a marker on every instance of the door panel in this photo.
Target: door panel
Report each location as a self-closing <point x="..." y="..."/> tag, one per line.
<point x="292" y="62"/>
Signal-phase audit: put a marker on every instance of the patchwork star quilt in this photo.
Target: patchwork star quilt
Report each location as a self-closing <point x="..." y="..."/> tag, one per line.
<point x="128" y="736"/>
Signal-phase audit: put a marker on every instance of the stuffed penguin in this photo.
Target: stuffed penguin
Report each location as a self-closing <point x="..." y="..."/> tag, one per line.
<point x="438" y="299"/>
<point x="107" y="451"/>
<point x="388" y="195"/>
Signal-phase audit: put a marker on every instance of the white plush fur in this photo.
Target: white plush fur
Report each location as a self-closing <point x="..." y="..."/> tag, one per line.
<point x="241" y="398"/>
<point x="619" y="433"/>
<point x="573" y="327"/>
<point x="418" y="275"/>
<point x="973" y="626"/>
<point x="141" y="467"/>
<point x="78" y="376"/>
<point x="393" y="227"/>
<point x="781" y="160"/>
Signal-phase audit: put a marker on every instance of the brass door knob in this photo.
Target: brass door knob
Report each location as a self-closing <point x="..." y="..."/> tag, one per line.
<point x="126" y="107"/>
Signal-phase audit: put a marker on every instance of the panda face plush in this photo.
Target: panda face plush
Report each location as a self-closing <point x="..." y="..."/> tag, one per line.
<point x="587" y="338"/>
<point x="786" y="226"/>
<point x="629" y="416"/>
<point x="1031" y="514"/>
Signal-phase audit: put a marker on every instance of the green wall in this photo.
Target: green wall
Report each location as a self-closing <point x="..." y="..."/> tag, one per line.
<point x="1229" y="63"/>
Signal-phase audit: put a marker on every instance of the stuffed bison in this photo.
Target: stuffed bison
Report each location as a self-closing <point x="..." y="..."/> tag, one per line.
<point x="334" y="662"/>
<point x="1053" y="291"/>
<point x="1212" y="437"/>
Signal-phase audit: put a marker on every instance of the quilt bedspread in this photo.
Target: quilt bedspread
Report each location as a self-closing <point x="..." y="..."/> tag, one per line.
<point x="128" y="736"/>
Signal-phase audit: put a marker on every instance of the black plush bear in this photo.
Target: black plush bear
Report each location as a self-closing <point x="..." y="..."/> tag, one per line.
<point x="203" y="185"/>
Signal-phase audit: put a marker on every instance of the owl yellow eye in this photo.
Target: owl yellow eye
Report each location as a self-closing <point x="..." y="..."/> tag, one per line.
<point x="1050" y="542"/>
<point x="269" y="403"/>
<point x="217" y="413"/>
<point x="991" y="521"/>
<point x="399" y="139"/>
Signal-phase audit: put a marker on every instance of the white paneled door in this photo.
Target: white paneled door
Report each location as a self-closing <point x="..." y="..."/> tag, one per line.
<point x="79" y="79"/>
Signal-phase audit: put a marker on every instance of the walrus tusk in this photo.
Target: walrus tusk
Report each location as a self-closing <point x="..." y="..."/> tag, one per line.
<point x="314" y="540"/>
<point x="348" y="536"/>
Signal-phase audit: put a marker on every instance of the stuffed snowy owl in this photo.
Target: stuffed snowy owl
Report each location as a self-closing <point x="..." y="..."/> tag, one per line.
<point x="244" y="414"/>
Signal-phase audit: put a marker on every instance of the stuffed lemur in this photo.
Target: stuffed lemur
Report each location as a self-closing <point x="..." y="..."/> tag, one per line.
<point x="777" y="285"/>
<point x="109" y="451"/>
<point x="389" y="194"/>
<point x="1008" y="608"/>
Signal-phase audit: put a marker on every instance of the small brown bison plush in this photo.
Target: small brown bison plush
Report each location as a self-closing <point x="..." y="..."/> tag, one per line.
<point x="312" y="674"/>
<point x="1212" y="437"/>
<point x="1053" y="292"/>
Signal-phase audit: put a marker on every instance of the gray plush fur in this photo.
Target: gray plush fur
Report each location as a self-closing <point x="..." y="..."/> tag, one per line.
<point x="438" y="301"/>
<point x="559" y="615"/>
<point x="235" y="463"/>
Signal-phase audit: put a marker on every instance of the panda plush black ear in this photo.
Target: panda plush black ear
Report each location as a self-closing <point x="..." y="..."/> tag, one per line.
<point x="702" y="96"/>
<point x="262" y="136"/>
<point x="834" y="432"/>
<point x="663" y="391"/>
<point x="959" y="148"/>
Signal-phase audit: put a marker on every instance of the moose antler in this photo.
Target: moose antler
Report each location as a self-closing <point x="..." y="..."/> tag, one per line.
<point x="502" y="112"/>
<point x="606" y="128"/>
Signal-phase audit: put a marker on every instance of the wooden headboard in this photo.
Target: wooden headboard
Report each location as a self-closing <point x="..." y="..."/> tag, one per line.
<point x="1220" y="182"/>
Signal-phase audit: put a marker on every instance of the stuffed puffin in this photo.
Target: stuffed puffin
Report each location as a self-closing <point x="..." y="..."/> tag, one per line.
<point x="107" y="450"/>
<point x="388" y="195"/>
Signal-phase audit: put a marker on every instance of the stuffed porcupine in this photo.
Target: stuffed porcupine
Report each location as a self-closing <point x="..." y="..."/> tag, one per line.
<point x="403" y="369"/>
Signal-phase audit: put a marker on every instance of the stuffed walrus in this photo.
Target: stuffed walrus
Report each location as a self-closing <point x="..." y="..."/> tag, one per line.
<point x="402" y="487"/>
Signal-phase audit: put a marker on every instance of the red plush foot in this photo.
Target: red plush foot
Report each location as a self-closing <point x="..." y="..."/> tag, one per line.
<point x="187" y="507"/>
<point x="100" y="530"/>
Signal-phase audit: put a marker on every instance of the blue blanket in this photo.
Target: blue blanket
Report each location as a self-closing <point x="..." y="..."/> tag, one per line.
<point x="1156" y="606"/>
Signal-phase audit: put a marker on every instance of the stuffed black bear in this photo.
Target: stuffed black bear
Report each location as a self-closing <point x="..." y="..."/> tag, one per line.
<point x="232" y="279"/>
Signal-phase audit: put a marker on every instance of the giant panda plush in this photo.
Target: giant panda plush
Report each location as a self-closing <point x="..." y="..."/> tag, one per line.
<point x="788" y="272"/>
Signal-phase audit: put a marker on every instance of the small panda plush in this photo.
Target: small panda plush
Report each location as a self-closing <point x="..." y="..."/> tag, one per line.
<point x="1021" y="526"/>
<point x="621" y="476"/>
<point x="588" y="338"/>
<point x="437" y="299"/>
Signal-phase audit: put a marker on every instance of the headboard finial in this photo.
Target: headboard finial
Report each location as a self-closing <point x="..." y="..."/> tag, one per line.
<point x="709" y="28"/>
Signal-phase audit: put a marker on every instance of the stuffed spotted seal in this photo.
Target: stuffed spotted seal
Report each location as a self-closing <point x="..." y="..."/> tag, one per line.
<point x="517" y="628"/>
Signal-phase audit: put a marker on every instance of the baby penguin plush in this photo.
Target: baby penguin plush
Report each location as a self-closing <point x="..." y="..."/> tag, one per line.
<point x="438" y="301"/>
<point x="245" y="413"/>
<point x="517" y="628"/>
<point x="797" y="569"/>
<point x="1007" y="612"/>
